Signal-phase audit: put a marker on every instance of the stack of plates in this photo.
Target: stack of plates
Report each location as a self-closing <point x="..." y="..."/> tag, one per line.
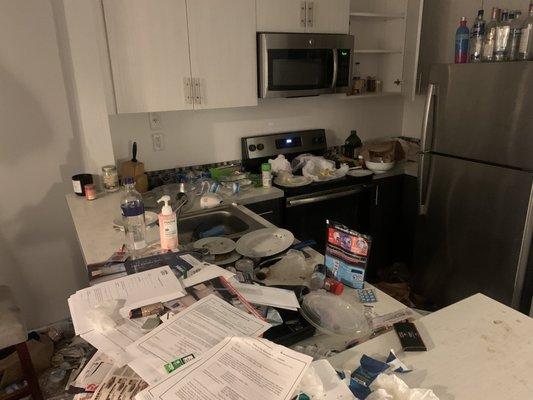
<point x="221" y="248"/>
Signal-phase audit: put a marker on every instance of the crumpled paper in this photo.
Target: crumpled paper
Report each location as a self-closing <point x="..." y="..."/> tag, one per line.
<point x="390" y="387"/>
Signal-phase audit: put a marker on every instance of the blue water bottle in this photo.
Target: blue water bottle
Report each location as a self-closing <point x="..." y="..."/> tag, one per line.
<point x="461" y="42"/>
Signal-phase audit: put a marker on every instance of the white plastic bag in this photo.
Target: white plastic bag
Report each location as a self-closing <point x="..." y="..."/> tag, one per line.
<point x="291" y="266"/>
<point x="319" y="169"/>
<point x="390" y="387"/>
<point x="279" y="164"/>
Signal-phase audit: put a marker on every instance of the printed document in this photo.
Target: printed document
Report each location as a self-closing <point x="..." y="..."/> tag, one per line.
<point x="237" y="368"/>
<point x="190" y="333"/>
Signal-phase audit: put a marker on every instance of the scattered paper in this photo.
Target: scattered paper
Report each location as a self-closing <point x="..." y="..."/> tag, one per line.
<point x="205" y="272"/>
<point x="190" y="332"/>
<point x="159" y="284"/>
<point x="236" y="368"/>
<point x="268" y="296"/>
<point x="120" y="383"/>
<point x="322" y="382"/>
<point x="94" y="372"/>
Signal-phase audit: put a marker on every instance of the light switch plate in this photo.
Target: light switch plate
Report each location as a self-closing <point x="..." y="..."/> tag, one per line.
<point x="155" y="121"/>
<point x="158" y="141"/>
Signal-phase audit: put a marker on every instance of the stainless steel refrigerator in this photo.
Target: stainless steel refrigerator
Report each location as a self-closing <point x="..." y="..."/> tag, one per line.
<point x="475" y="185"/>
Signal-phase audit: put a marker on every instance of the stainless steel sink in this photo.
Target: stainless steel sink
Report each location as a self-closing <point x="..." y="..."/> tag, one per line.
<point x="229" y="220"/>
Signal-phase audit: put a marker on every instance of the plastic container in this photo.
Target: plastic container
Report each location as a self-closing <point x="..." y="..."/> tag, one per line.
<point x="266" y="175"/>
<point x="333" y="315"/>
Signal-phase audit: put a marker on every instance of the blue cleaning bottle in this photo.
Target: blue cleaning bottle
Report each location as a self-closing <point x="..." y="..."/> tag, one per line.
<point x="461" y="42"/>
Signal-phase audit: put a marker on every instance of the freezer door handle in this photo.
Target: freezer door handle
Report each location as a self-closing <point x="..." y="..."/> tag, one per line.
<point x="425" y="144"/>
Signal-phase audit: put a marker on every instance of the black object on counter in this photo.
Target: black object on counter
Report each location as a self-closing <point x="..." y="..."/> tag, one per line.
<point x="79" y="181"/>
<point x="409" y="336"/>
<point x="293" y="330"/>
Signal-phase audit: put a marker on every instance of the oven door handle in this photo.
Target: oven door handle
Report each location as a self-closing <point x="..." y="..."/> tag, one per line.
<point x="294" y="202"/>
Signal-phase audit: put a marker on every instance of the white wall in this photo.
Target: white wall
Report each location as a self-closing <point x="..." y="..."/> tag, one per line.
<point x="39" y="255"/>
<point x="206" y="136"/>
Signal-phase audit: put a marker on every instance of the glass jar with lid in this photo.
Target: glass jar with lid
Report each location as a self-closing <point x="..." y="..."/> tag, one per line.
<point x="110" y="178"/>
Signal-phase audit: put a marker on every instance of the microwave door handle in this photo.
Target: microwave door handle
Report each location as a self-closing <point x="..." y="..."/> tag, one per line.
<point x="335" y="68"/>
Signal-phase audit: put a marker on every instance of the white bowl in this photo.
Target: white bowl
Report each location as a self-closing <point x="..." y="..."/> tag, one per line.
<point x="379" y="167"/>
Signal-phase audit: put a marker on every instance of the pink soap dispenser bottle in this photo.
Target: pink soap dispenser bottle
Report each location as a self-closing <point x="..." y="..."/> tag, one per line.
<point x="168" y="226"/>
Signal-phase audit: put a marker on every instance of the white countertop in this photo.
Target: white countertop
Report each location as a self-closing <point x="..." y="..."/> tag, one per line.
<point x="93" y="220"/>
<point x="477" y="349"/>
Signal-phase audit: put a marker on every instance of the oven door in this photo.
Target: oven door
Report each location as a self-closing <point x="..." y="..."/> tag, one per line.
<point x="292" y="65"/>
<point x="306" y="215"/>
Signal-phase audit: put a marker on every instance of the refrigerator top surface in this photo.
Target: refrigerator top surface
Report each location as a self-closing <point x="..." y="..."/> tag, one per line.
<point x="483" y="112"/>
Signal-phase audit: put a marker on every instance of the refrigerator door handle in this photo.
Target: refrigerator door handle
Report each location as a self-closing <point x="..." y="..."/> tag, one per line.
<point x="422" y="195"/>
<point x="428" y="108"/>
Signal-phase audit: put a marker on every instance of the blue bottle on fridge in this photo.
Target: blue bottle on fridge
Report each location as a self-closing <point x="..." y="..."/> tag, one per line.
<point x="462" y="37"/>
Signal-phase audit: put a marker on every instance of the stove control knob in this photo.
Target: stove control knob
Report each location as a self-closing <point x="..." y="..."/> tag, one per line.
<point x="252" y="147"/>
<point x="260" y="146"/>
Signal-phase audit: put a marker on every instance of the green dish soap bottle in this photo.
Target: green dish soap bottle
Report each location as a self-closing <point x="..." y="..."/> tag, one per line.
<point x="352" y="144"/>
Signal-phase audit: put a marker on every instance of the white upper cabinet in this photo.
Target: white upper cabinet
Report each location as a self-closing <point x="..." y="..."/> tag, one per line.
<point x="149" y="51"/>
<point x="281" y="15"/>
<point x="182" y="54"/>
<point x="317" y="16"/>
<point x="328" y="16"/>
<point x="223" y="53"/>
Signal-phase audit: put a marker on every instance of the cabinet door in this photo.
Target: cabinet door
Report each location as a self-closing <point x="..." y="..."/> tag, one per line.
<point x="413" y="27"/>
<point x="223" y="54"/>
<point x="328" y="16"/>
<point x="280" y="15"/>
<point x="149" y="51"/>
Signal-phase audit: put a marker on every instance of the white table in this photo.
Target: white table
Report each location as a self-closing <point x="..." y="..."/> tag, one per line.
<point x="478" y="349"/>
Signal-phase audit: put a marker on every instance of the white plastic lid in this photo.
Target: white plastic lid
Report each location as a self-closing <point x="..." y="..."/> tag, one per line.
<point x="166" y="209"/>
<point x="333" y="315"/>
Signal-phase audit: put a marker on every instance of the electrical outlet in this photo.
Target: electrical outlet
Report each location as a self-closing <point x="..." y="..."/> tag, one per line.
<point x="155" y="121"/>
<point x="158" y="141"/>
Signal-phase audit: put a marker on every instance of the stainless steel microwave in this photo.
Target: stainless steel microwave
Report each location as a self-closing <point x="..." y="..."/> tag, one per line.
<point x="301" y="64"/>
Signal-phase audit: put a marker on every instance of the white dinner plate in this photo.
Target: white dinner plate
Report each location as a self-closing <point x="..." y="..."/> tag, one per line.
<point x="359" y="173"/>
<point x="226" y="259"/>
<point x="215" y="245"/>
<point x="265" y="242"/>
<point x="293" y="181"/>
<point x="150" y="218"/>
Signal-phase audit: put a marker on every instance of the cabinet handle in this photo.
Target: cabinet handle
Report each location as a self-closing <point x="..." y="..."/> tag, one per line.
<point x="310" y="13"/>
<point x="196" y="90"/>
<point x="198" y="85"/>
<point x="187" y="90"/>
<point x="302" y="14"/>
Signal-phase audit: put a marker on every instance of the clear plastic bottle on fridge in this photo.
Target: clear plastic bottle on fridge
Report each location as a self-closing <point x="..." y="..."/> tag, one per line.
<point x="490" y="35"/>
<point x="503" y="31"/>
<point x="525" y="50"/>
<point x="477" y="36"/>
<point x="133" y="214"/>
<point x="462" y="36"/>
<point x="514" y="36"/>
